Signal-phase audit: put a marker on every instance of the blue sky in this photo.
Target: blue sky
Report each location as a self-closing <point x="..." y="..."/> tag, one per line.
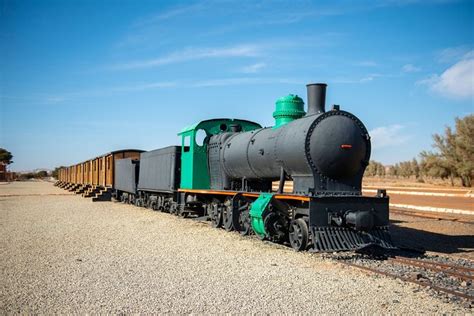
<point x="81" y="78"/>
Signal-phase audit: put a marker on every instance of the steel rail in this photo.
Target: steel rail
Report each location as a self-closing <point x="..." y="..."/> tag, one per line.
<point x="432" y="267"/>
<point x="415" y="281"/>
<point x="439" y="264"/>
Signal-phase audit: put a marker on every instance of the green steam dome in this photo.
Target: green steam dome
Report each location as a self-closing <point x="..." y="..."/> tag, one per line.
<point x="288" y="108"/>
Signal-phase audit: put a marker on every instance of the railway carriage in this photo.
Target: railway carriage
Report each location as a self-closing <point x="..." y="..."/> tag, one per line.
<point x="95" y="177"/>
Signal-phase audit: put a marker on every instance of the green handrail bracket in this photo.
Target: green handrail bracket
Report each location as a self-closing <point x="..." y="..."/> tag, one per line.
<point x="256" y="213"/>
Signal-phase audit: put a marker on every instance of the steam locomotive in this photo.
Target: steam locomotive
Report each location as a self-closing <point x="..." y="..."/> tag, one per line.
<point x="225" y="170"/>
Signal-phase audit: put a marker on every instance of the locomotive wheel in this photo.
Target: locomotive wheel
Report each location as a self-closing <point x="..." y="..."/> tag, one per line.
<point x="216" y="216"/>
<point x="298" y="234"/>
<point x="244" y="221"/>
<point x="171" y="209"/>
<point x="275" y="226"/>
<point x="241" y="218"/>
<point x="227" y="218"/>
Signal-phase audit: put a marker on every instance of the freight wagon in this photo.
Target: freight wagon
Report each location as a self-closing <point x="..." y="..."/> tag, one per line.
<point x="94" y="177"/>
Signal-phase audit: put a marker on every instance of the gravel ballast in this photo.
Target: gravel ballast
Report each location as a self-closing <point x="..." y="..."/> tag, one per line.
<point x="65" y="254"/>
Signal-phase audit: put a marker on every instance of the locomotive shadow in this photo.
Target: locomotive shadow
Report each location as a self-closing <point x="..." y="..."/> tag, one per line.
<point x="430" y="241"/>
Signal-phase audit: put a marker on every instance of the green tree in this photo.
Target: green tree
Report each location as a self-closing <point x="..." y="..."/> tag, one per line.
<point x="394" y="170"/>
<point x="447" y="150"/>
<point x="456" y="151"/>
<point x="464" y="149"/>
<point x="55" y="172"/>
<point x="415" y="168"/>
<point x="371" y="169"/>
<point x="5" y="156"/>
<point x="41" y="174"/>
<point x="375" y="169"/>
<point x="433" y="165"/>
<point x="405" y="169"/>
<point x="380" y="170"/>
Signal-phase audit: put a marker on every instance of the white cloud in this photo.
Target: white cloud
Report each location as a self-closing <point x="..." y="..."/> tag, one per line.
<point x="410" y="68"/>
<point x="193" y="54"/>
<point x="401" y="3"/>
<point x="457" y="81"/>
<point x="365" y="79"/>
<point x="452" y="54"/>
<point x="251" y="69"/>
<point x="171" y="13"/>
<point x="387" y="136"/>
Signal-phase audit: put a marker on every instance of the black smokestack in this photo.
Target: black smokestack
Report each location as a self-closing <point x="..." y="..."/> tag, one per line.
<point x="316" y="98"/>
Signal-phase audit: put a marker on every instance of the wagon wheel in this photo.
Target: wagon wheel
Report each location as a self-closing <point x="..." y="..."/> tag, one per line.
<point x="241" y="216"/>
<point x="184" y="213"/>
<point x="298" y="234"/>
<point x="173" y="209"/>
<point x="149" y="204"/>
<point x="227" y="215"/>
<point x="215" y="213"/>
<point x="181" y="211"/>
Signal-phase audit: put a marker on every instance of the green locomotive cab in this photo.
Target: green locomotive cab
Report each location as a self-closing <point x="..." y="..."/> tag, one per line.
<point x="194" y="139"/>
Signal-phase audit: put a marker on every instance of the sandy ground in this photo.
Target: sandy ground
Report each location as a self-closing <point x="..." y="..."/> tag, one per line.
<point x="66" y="254"/>
<point x="459" y="203"/>
<point x="30" y="188"/>
<point x="457" y="191"/>
<point x="404" y="182"/>
<point x="452" y="202"/>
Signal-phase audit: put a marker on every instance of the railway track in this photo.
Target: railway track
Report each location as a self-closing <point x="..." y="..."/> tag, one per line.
<point x="451" y="278"/>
